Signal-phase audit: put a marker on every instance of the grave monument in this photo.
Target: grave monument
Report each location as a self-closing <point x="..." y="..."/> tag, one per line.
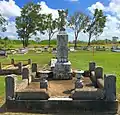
<point x="62" y="69"/>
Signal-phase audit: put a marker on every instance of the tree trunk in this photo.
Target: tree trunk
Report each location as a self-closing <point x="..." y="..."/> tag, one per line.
<point x="26" y="42"/>
<point x="75" y="44"/>
<point x="49" y="40"/>
<point x="89" y="39"/>
<point x="23" y="42"/>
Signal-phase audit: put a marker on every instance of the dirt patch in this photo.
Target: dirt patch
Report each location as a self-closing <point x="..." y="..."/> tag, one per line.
<point x="58" y="88"/>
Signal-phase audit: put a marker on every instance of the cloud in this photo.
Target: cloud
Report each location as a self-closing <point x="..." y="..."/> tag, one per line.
<point x="9" y="9"/>
<point x="98" y="5"/>
<point x="112" y="11"/>
<point x="46" y="10"/>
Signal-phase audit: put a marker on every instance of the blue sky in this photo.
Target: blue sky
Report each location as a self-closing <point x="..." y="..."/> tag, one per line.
<point x="72" y="6"/>
<point x="10" y="9"/>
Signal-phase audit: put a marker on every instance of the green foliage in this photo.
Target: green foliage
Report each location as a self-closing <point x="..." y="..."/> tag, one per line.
<point x="3" y="23"/>
<point x="51" y="26"/>
<point x="77" y="22"/>
<point x="45" y="42"/>
<point x="96" y="24"/>
<point x="37" y="39"/>
<point x="29" y="22"/>
<point x="61" y="21"/>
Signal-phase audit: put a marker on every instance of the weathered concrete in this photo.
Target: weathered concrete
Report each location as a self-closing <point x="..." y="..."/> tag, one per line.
<point x="99" y="72"/>
<point x="25" y="73"/>
<point x="62" y="71"/>
<point x="44" y="84"/>
<point x="9" y="87"/>
<point x="62" y="68"/>
<point x="110" y="87"/>
<point x="95" y="75"/>
<point x="20" y="85"/>
<point x="87" y="94"/>
<point x="34" y="67"/>
<point x="48" y="106"/>
<point x="92" y="66"/>
<point x="32" y="95"/>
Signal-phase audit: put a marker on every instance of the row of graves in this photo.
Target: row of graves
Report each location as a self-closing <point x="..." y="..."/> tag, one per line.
<point x="5" y="53"/>
<point x="91" y="48"/>
<point x="15" y="67"/>
<point x="60" y="88"/>
<point x="115" y="48"/>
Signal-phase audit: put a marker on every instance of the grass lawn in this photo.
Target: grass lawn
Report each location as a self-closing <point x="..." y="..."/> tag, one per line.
<point x="110" y="61"/>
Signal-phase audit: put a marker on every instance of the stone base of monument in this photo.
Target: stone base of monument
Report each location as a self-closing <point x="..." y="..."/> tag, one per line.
<point x="66" y="105"/>
<point x="62" y="71"/>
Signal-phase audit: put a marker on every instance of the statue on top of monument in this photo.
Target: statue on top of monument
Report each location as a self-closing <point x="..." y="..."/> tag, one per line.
<point x="62" y="19"/>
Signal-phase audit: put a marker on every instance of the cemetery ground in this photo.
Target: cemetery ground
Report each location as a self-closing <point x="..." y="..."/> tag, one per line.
<point x="110" y="61"/>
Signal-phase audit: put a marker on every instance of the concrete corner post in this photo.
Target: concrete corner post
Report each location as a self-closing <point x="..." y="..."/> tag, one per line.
<point x="110" y="87"/>
<point x="34" y="67"/>
<point x="25" y="73"/>
<point x="99" y="72"/>
<point x="9" y="87"/>
<point x="92" y="66"/>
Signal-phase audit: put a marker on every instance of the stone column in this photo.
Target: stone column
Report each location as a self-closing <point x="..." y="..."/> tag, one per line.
<point x="34" y="67"/>
<point x="9" y="87"/>
<point x="12" y="61"/>
<point x="62" y="67"/>
<point x="110" y="87"/>
<point x="62" y="49"/>
<point x="29" y="61"/>
<point x="92" y="66"/>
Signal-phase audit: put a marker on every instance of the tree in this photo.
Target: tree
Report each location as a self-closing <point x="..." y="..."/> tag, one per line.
<point x="77" y="22"/>
<point x="37" y="39"/>
<point x="114" y="39"/>
<point x="5" y="42"/>
<point x="51" y="26"/>
<point x="3" y="23"/>
<point x="29" y="22"/>
<point x="96" y="24"/>
<point x="62" y="19"/>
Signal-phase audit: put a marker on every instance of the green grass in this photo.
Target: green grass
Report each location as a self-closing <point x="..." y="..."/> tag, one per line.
<point x="110" y="61"/>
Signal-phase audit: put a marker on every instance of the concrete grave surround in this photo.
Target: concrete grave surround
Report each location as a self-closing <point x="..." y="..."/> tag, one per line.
<point x="62" y="68"/>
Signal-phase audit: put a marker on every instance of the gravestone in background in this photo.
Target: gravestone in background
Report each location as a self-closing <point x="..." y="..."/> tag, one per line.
<point x="3" y="53"/>
<point x="62" y="69"/>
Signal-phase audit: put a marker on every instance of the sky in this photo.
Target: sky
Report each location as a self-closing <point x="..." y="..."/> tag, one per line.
<point x="10" y="9"/>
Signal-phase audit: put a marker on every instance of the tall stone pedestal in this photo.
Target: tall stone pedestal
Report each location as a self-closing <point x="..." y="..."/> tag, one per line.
<point x="62" y="68"/>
